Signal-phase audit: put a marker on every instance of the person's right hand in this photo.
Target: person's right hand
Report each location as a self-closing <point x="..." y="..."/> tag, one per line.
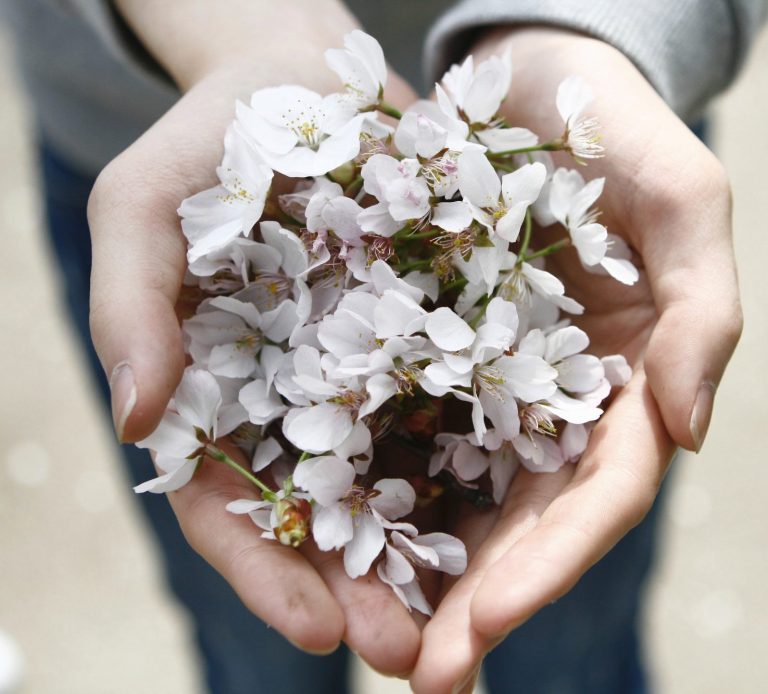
<point x="218" y="53"/>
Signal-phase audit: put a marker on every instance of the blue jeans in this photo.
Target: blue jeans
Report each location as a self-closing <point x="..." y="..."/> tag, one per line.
<point x="585" y="643"/>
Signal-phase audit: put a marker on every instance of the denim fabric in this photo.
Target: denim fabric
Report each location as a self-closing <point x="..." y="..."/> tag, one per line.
<point x="586" y="643"/>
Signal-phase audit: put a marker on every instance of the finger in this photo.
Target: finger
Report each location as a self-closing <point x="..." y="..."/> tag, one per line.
<point x="613" y="488"/>
<point x="274" y="582"/>
<point x="139" y="253"/>
<point x="693" y="278"/>
<point x="378" y="626"/>
<point x="451" y="647"/>
<point x="138" y="265"/>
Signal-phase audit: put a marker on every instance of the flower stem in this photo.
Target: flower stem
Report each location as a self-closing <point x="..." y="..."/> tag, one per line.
<point x="558" y="245"/>
<point x="354" y="188"/>
<point x="388" y="110"/>
<point x="551" y="146"/>
<point x="414" y="265"/>
<point x="526" y="237"/>
<point x="217" y="454"/>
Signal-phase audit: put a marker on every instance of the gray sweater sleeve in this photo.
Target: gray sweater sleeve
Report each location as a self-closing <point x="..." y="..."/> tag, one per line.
<point x="688" y="49"/>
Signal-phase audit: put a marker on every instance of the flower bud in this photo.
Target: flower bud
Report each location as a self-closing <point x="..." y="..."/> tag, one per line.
<point x="293" y="520"/>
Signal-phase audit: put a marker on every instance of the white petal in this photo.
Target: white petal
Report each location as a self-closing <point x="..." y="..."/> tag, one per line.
<point x="564" y="343"/>
<point x="452" y="216"/>
<point x="328" y="478"/>
<point x="617" y="370"/>
<point x="448" y="331"/>
<point x="266" y="452"/>
<point x="398" y="569"/>
<point x="171" y="481"/>
<point x="478" y="181"/>
<point x="396" y="499"/>
<point x="198" y="399"/>
<point x="504" y="139"/>
<point x="450" y="550"/>
<point x="573" y="95"/>
<point x="319" y="428"/>
<point x="173" y="437"/>
<point x="469" y="461"/>
<point x="365" y="546"/>
<point x="332" y="527"/>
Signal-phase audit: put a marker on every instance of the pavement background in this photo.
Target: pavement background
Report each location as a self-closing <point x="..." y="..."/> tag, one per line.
<point x="79" y="587"/>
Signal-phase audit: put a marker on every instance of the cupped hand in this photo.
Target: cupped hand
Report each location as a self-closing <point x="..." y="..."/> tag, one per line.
<point x="139" y="261"/>
<point x="668" y="197"/>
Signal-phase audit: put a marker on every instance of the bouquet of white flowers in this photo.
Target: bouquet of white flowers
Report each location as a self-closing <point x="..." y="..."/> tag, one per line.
<point x="397" y="279"/>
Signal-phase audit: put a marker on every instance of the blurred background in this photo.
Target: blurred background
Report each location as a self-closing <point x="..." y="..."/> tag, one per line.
<point x="80" y="593"/>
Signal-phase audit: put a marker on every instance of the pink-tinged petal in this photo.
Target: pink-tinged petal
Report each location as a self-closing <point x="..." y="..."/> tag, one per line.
<point x="451" y="216"/>
<point x="198" y="399"/>
<point x="319" y="428"/>
<point x="326" y="478"/>
<point x="396" y="499"/>
<point x="340" y="216"/>
<point x="174" y="437"/>
<point x="564" y="343"/>
<point x="573" y="96"/>
<point x="171" y="481"/>
<point x="617" y="370"/>
<point x="332" y="527"/>
<point x="398" y="569"/>
<point x="448" y="331"/>
<point x="267" y="451"/>
<point x="469" y="462"/>
<point x="504" y="465"/>
<point x="365" y="546"/>
<point x="451" y="552"/>
<point x="478" y="181"/>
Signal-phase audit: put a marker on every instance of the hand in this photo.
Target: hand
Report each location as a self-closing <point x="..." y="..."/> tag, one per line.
<point x="669" y="198"/>
<point x="139" y="259"/>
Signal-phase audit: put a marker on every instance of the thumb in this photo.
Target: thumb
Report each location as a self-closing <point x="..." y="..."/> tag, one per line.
<point x="138" y="267"/>
<point x="693" y="275"/>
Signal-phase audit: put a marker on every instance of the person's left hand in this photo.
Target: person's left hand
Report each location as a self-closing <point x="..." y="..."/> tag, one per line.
<point x="668" y="198"/>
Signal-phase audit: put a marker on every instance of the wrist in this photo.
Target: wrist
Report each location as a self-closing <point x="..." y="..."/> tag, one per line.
<point x="193" y="39"/>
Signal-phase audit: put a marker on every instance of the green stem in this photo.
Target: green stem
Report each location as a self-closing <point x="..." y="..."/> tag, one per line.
<point x="388" y="110"/>
<point x="483" y="305"/>
<point x="459" y="283"/>
<point x="504" y="167"/>
<point x="558" y="245"/>
<point x="414" y="265"/>
<point x="222" y="457"/>
<point x="354" y="188"/>
<point x="304" y="456"/>
<point x="422" y="235"/>
<point x="552" y="146"/>
<point x="526" y="237"/>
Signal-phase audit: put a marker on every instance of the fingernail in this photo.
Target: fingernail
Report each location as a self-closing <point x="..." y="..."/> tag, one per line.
<point x="313" y="651"/>
<point x="702" y="414"/>
<point x="123" y="389"/>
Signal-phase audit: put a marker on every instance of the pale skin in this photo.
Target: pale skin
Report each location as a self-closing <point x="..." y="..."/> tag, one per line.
<point x="665" y="193"/>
